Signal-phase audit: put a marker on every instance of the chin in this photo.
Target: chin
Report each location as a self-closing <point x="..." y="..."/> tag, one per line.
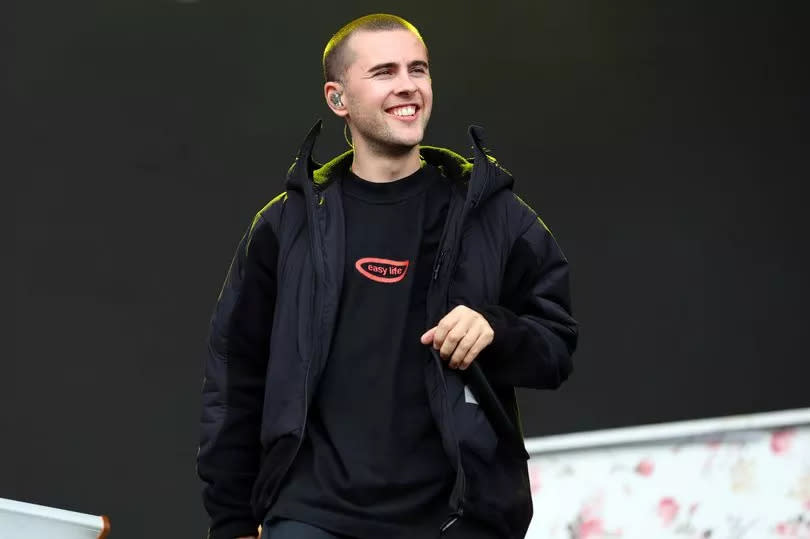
<point x="410" y="140"/>
<point x="397" y="148"/>
<point x="405" y="146"/>
<point x="394" y="143"/>
<point x="408" y="143"/>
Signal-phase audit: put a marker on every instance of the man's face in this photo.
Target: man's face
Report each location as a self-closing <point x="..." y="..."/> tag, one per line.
<point x="387" y="89"/>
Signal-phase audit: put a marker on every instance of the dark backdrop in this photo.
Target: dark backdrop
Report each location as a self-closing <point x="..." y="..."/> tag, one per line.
<point x="664" y="145"/>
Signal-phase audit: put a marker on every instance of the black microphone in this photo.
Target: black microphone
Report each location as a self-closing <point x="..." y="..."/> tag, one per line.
<point x="489" y="402"/>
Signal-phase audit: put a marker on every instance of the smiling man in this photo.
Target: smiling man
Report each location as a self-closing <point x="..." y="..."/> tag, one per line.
<point x="379" y="82"/>
<point x="374" y="323"/>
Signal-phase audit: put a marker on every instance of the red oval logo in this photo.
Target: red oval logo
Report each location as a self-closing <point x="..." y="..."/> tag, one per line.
<point x="382" y="270"/>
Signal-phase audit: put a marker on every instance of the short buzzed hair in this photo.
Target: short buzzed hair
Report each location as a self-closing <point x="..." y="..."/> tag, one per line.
<point x="336" y="58"/>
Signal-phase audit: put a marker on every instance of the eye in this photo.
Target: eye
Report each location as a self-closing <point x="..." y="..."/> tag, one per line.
<point x="382" y="72"/>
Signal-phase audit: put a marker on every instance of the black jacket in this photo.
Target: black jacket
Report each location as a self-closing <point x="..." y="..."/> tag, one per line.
<point x="271" y="331"/>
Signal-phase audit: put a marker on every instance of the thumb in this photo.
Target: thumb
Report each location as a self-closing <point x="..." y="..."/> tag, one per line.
<point x="427" y="337"/>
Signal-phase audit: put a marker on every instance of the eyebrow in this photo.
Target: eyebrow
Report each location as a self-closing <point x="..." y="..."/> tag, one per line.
<point x="389" y="65"/>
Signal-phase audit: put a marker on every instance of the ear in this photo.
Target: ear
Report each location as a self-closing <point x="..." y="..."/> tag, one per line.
<point x="329" y="89"/>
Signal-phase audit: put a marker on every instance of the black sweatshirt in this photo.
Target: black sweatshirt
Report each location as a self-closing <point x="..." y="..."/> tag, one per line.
<point x="372" y="463"/>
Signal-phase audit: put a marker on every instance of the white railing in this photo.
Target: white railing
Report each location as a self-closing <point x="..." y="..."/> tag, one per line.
<point x="20" y="520"/>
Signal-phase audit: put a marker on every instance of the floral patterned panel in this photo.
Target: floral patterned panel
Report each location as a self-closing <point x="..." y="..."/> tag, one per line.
<point x="750" y="485"/>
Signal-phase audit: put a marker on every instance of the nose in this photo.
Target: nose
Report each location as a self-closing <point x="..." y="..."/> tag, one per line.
<point x="405" y="83"/>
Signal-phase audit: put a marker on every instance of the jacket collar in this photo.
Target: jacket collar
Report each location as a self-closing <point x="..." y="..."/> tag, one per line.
<point x="482" y="174"/>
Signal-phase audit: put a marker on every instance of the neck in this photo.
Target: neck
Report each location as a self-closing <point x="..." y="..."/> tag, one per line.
<point x="382" y="167"/>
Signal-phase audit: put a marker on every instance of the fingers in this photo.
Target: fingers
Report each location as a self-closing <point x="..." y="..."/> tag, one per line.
<point x="459" y="336"/>
<point x="444" y="327"/>
<point x="453" y="336"/>
<point x="463" y="349"/>
<point x="468" y="349"/>
<point x="484" y="339"/>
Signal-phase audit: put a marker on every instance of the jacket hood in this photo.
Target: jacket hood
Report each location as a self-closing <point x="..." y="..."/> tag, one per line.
<point x="482" y="174"/>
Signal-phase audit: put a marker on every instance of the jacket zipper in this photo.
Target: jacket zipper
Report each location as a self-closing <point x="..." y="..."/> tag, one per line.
<point x="438" y="264"/>
<point x="460" y="477"/>
<point x="459" y="512"/>
<point x="315" y="252"/>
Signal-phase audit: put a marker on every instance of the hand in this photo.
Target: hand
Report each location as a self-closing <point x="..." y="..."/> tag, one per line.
<point x="460" y="336"/>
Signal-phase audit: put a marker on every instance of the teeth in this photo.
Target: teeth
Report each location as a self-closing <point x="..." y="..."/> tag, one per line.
<point x="410" y="110"/>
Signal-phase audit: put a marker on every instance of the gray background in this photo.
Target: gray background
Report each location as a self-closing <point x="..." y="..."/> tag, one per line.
<point x="665" y="144"/>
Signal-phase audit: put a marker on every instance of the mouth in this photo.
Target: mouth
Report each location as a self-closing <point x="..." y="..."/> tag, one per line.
<point x="404" y="113"/>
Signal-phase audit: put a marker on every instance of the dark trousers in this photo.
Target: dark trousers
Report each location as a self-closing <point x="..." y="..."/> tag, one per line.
<point x="291" y="529"/>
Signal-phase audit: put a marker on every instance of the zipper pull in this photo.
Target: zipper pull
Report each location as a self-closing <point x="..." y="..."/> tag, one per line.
<point x="451" y="520"/>
<point x="446" y="526"/>
<point x="438" y="265"/>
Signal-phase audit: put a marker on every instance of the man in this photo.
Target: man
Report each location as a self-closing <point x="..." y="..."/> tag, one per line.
<point x="373" y="325"/>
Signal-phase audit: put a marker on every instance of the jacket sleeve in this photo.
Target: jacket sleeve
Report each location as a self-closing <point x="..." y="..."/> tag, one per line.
<point x="233" y="387"/>
<point x="535" y="333"/>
